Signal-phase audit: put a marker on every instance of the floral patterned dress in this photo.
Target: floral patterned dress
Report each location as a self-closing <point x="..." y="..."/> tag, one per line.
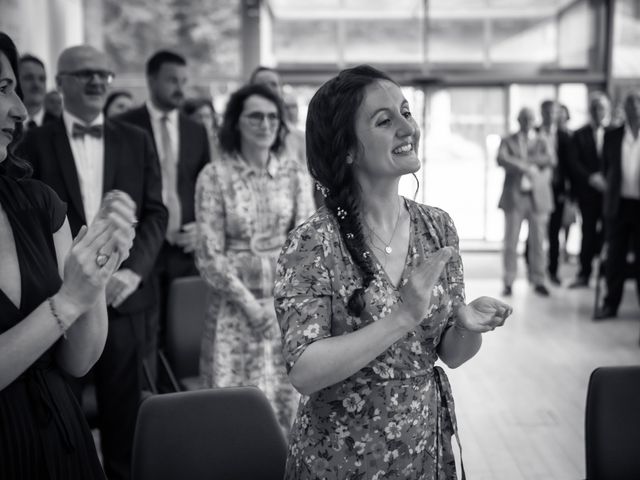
<point x="244" y="216"/>
<point x="395" y="417"/>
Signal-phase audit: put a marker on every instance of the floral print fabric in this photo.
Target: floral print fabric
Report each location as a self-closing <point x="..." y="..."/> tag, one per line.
<point x="395" y="417"/>
<point x="244" y="215"/>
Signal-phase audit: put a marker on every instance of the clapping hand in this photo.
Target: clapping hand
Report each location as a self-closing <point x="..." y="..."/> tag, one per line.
<point x="483" y="315"/>
<point x="416" y="293"/>
<point x="119" y="210"/>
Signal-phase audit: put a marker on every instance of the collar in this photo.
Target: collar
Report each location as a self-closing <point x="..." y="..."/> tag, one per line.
<point x="628" y="134"/>
<point x="156" y="114"/>
<point x="244" y="167"/>
<point x="69" y="119"/>
<point x="530" y="135"/>
<point x="38" y="117"/>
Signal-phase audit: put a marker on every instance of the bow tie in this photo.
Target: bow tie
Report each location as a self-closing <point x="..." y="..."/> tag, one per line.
<point x="80" y="130"/>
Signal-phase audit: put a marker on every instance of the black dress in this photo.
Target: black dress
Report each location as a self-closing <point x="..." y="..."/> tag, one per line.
<point x="43" y="433"/>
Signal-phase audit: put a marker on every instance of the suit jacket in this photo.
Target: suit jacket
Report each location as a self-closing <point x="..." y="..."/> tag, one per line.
<point x="192" y="156"/>
<point x="583" y="162"/>
<point x="512" y="159"/>
<point x="612" y="167"/>
<point x="130" y="165"/>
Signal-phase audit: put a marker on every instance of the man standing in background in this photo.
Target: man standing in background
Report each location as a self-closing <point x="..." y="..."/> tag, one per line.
<point x="560" y="145"/>
<point x="589" y="183"/>
<point x="621" y="160"/>
<point x="527" y="160"/>
<point x="183" y="150"/>
<point x="33" y="80"/>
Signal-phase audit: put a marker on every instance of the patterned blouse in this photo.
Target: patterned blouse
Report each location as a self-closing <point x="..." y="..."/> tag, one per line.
<point x="395" y="417"/>
<point x="244" y="217"/>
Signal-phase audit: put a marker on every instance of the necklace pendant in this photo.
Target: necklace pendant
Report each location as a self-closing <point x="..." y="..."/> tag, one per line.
<point x="388" y="249"/>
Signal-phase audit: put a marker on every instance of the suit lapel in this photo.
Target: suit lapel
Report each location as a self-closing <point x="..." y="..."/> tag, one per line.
<point x="183" y="135"/>
<point x="112" y="154"/>
<point x="63" y="153"/>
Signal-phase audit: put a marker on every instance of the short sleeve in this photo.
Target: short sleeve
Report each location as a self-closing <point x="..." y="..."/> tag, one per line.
<point x="303" y="292"/>
<point x="47" y="200"/>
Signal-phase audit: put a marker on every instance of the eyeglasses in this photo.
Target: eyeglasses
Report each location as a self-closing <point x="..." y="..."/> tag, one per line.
<point x="87" y="75"/>
<point x="256" y="118"/>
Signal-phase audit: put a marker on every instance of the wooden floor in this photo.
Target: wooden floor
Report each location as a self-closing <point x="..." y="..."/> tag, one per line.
<point x="520" y="402"/>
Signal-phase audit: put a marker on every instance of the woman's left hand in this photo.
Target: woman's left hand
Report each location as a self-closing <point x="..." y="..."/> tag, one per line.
<point x="483" y="314"/>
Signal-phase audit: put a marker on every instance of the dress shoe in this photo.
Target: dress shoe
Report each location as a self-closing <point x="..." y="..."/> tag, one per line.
<point x="506" y="292"/>
<point x="553" y="278"/>
<point x="605" y="312"/>
<point x="541" y="290"/>
<point x="579" y="282"/>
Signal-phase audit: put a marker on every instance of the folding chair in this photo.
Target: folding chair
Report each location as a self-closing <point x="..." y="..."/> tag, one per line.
<point x="612" y="424"/>
<point x="186" y="311"/>
<point x="225" y="433"/>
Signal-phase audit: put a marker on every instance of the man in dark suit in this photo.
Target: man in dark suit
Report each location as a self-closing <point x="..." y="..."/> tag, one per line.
<point x="82" y="156"/>
<point x="621" y="161"/>
<point x="183" y="150"/>
<point x="33" y="79"/>
<point x="560" y="143"/>
<point x="588" y="182"/>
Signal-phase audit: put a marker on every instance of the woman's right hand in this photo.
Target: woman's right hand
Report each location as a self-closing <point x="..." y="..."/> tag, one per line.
<point x="416" y="293"/>
<point x="83" y="277"/>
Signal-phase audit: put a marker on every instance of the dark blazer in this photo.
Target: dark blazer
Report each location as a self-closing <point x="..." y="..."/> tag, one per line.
<point x="130" y="165"/>
<point x="612" y="166"/>
<point x="193" y="154"/>
<point x="584" y="161"/>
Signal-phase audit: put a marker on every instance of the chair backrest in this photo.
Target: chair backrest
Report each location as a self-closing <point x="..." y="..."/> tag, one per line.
<point x="226" y="433"/>
<point x="612" y="424"/>
<point x="186" y="310"/>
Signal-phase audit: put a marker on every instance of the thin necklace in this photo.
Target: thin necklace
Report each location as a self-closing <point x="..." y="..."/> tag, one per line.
<point x="387" y="245"/>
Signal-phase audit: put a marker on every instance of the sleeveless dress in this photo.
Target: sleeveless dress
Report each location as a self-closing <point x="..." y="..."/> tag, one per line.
<point x="43" y="433"/>
<point x="395" y="417"/>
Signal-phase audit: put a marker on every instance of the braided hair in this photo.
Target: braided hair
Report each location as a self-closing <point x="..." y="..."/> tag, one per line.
<point x="330" y="136"/>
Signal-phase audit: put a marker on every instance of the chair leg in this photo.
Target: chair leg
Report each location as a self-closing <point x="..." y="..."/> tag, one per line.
<point x="147" y="376"/>
<point x="167" y="368"/>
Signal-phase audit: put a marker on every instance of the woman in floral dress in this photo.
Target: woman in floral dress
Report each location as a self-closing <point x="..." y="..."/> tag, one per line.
<point x="246" y="203"/>
<point x="369" y="294"/>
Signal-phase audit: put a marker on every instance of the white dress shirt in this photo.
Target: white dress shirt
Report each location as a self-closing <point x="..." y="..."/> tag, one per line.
<point x="88" y="155"/>
<point x="598" y="137"/>
<point x="37" y="118"/>
<point x="525" y="182"/>
<point x="172" y="124"/>
<point x="168" y="164"/>
<point x="630" y="166"/>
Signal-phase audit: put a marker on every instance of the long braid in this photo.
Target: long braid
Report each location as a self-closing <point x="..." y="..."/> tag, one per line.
<point x="343" y="201"/>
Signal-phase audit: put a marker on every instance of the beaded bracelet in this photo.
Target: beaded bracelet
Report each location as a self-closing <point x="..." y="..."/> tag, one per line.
<point x="61" y="324"/>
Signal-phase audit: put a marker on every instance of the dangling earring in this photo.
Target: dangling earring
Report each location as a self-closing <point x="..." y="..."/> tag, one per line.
<point x="349" y="159"/>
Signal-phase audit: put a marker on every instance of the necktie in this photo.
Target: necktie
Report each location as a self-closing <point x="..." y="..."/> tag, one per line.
<point x="169" y="180"/>
<point x="78" y="130"/>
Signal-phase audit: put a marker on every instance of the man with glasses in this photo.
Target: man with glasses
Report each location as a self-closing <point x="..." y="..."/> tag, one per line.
<point x="82" y="156"/>
<point x="183" y="150"/>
